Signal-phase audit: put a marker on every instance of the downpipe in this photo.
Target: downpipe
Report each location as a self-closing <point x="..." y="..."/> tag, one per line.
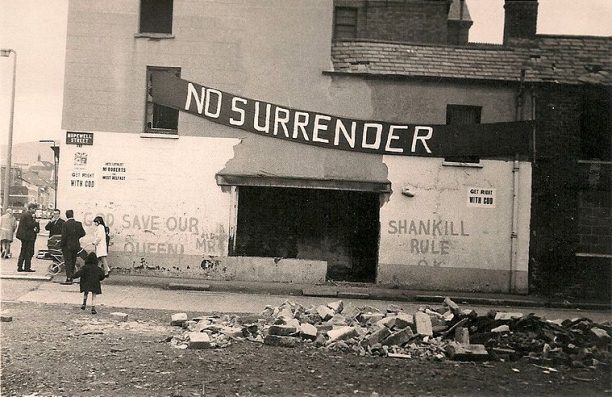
<point x="514" y="232"/>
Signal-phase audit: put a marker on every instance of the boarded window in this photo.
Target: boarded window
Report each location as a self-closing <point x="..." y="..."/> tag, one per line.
<point x="160" y="119"/>
<point x="156" y="16"/>
<point x="345" y="23"/>
<point x="462" y="115"/>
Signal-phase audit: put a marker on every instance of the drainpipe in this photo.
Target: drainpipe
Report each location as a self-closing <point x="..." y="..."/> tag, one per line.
<point x="518" y="114"/>
<point x="514" y="232"/>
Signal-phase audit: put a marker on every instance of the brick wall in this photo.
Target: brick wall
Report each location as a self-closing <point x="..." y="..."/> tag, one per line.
<point x="569" y="214"/>
<point x="415" y="21"/>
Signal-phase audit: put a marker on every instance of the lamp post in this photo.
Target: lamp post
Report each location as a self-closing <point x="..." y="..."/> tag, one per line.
<point x="6" y="52"/>
<point x="55" y="149"/>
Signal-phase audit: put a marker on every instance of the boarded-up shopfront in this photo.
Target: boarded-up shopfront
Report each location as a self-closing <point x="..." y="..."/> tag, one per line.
<point x="309" y="196"/>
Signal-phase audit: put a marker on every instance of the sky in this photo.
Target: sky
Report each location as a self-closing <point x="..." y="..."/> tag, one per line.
<point x="36" y="30"/>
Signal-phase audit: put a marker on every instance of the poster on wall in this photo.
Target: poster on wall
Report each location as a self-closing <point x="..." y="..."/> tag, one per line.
<point x="114" y="171"/>
<point x="478" y="197"/>
<point x="81" y="176"/>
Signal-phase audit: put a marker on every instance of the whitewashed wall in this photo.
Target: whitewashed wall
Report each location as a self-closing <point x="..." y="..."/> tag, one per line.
<point x="438" y="239"/>
<point x="158" y="196"/>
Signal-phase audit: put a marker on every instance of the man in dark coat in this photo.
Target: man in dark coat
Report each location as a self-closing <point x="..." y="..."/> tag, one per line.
<point x="55" y="224"/>
<point x="72" y="231"/>
<point x="26" y="232"/>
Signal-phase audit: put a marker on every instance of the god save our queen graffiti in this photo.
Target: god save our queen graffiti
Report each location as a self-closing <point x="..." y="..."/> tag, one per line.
<point x="323" y="130"/>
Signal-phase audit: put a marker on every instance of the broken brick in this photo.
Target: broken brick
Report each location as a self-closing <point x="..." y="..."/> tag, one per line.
<point x="282" y="330"/>
<point x="199" y="340"/>
<point x="422" y="323"/>
<point x="178" y="319"/>
<point x="119" y="316"/>
<point x="376" y="337"/>
<point x="398" y="338"/>
<point x="466" y="352"/>
<point x="281" y="341"/>
<point x="336" y="306"/>
<point x="325" y="312"/>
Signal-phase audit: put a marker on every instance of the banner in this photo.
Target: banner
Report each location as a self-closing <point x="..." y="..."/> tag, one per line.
<point x="319" y="129"/>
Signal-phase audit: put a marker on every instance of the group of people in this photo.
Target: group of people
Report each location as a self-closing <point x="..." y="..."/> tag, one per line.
<point x="96" y="266"/>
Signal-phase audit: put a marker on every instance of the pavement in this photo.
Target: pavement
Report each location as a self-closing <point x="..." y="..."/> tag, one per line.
<point x="333" y="290"/>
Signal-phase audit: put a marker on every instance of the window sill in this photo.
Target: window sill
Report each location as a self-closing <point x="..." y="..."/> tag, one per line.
<point x="460" y="164"/>
<point x="159" y="135"/>
<point x="154" y="36"/>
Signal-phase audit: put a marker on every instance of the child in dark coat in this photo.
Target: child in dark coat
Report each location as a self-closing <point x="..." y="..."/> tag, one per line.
<point x="90" y="275"/>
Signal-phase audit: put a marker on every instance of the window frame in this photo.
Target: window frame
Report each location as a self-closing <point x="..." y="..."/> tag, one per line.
<point x="142" y="33"/>
<point x="150" y="105"/>
<point x="468" y="161"/>
<point x="355" y="10"/>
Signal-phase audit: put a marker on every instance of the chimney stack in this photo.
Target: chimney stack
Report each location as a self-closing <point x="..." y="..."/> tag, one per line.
<point x="521" y="19"/>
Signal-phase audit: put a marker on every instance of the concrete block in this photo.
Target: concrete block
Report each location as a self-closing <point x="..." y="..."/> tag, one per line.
<point x="280" y="341"/>
<point x="466" y="352"/>
<point x="398" y="338"/>
<point x="403" y="320"/>
<point x="118" y="316"/>
<point x="370" y="318"/>
<point x="341" y="333"/>
<point x="388" y="322"/>
<point x="336" y="306"/>
<point x="376" y="337"/>
<point x="325" y="327"/>
<point x="422" y="322"/>
<point x="325" y="312"/>
<point x="308" y="331"/>
<point x="178" y="319"/>
<point x="199" y="340"/>
<point x="505" y="316"/>
<point x="281" y="330"/>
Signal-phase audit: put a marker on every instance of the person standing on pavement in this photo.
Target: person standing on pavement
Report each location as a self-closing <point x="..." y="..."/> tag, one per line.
<point x="26" y="232"/>
<point x="55" y="224"/>
<point x="90" y="276"/>
<point x="8" y="224"/>
<point x="100" y="243"/>
<point x="72" y="231"/>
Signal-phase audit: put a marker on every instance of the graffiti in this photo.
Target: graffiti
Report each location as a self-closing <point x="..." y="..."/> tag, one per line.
<point x="429" y="247"/>
<point x="434" y="263"/>
<point x="154" y="248"/>
<point x="429" y="227"/>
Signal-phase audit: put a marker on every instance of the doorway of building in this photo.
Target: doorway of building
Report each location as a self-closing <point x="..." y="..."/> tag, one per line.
<point x="340" y="227"/>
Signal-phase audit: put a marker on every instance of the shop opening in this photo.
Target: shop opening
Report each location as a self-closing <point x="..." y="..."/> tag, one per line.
<point x="340" y="227"/>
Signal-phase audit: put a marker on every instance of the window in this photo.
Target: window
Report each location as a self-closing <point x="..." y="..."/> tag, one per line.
<point x="156" y="16"/>
<point x="463" y="114"/>
<point x="160" y="119"/>
<point x="345" y="23"/>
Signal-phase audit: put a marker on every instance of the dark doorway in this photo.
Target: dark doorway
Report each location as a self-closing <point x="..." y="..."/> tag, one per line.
<point x="340" y="227"/>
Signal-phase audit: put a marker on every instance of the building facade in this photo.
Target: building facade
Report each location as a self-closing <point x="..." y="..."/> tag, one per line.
<point x="295" y="141"/>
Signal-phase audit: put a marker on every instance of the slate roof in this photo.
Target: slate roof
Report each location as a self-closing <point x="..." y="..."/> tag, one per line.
<point x="548" y="58"/>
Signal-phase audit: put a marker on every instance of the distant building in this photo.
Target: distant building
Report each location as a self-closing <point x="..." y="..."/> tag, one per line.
<point x="405" y="153"/>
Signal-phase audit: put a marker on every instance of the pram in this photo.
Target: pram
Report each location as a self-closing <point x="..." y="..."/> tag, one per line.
<point x="54" y="253"/>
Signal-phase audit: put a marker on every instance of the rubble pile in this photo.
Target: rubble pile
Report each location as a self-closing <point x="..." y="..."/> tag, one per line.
<point x="434" y="333"/>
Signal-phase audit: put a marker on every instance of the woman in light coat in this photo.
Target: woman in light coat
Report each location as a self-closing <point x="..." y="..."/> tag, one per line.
<point x="101" y="244"/>
<point x="8" y="224"/>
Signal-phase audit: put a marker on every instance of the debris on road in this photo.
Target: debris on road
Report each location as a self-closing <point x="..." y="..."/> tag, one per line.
<point x="434" y="333"/>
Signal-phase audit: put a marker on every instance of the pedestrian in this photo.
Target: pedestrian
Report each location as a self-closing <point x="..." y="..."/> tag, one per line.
<point x="55" y="224"/>
<point x="8" y="224"/>
<point x="26" y="232"/>
<point x="90" y="276"/>
<point x="101" y="239"/>
<point x="72" y="231"/>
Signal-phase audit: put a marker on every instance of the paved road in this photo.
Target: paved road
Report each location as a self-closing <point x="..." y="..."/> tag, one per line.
<point x="117" y="296"/>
